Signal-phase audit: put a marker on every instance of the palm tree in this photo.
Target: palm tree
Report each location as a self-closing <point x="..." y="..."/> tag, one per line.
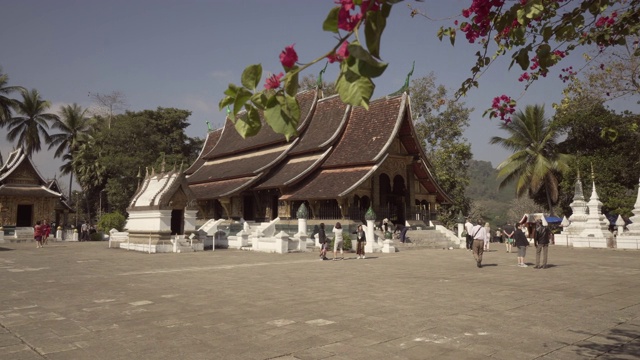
<point x="74" y="127"/>
<point x="31" y="122"/>
<point x="536" y="161"/>
<point x="6" y="103"/>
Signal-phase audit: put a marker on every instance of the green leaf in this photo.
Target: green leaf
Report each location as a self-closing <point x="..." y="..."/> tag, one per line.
<point x="547" y="33"/>
<point x="544" y="56"/>
<point x="353" y="88"/>
<point x="226" y="101"/>
<point x="522" y="58"/>
<point x="232" y="90"/>
<point x="452" y="36"/>
<point x="248" y="124"/>
<point x="291" y="82"/>
<point x="251" y="76"/>
<point x="282" y="114"/>
<point x="241" y="99"/>
<point x="331" y="22"/>
<point x="534" y="9"/>
<point x="374" y="25"/>
<point x="361" y="62"/>
<point x="636" y="52"/>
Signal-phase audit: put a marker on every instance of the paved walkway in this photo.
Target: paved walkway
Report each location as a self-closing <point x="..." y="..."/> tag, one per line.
<point x="85" y="301"/>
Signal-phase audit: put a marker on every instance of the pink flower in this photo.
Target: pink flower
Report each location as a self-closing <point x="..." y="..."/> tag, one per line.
<point x="340" y="54"/>
<point x="273" y="81"/>
<point x="288" y="57"/>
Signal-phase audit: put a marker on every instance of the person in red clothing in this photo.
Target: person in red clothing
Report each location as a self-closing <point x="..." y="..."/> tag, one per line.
<point x="37" y="234"/>
<point x="46" y="231"/>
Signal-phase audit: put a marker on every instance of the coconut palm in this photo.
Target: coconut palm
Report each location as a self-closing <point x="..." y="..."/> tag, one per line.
<point x="536" y="161"/>
<point x="74" y="127"/>
<point x="31" y="122"/>
<point x="6" y="102"/>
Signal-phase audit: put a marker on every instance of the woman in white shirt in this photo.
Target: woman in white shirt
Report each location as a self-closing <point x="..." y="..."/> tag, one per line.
<point x="337" y="241"/>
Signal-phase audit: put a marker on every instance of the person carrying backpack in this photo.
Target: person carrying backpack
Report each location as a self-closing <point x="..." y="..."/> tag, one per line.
<point x="322" y="239"/>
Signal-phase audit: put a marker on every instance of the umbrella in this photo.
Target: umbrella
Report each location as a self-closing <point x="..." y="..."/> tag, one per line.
<point x="553" y="219"/>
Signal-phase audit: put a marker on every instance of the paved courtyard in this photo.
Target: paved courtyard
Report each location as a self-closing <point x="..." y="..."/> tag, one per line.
<point x="85" y="301"/>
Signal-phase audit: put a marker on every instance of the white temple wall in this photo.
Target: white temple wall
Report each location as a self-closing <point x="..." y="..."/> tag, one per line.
<point x="150" y="220"/>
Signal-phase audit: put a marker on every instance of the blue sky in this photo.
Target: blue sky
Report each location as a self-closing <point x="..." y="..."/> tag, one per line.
<point x="183" y="54"/>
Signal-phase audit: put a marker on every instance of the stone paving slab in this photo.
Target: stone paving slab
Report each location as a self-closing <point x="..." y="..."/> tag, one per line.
<point x="85" y="301"/>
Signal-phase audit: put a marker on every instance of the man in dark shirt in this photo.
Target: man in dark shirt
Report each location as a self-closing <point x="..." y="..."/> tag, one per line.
<point x="541" y="241"/>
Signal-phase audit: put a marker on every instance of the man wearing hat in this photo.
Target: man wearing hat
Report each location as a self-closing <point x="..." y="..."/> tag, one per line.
<point x="478" y="233"/>
<point x="541" y="241"/>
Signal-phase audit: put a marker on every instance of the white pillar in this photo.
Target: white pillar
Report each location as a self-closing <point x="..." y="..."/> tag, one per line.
<point x="371" y="237"/>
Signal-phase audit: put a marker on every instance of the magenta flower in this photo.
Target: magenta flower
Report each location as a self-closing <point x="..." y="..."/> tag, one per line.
<point x="288" y="57"/>
<point x="273" y="81"/>
<point x="340" y="54"/>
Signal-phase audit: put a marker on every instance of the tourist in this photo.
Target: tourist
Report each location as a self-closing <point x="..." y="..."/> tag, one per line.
<point x="37" y="234"/>
<point x="541" y="241"/>
<point x="487" y="237"/>
<point x="479" y="236"/>
<point x="521" y="243"/>
<point x="322" y="238"/>
<point x="337" y="241"/>
<point x="84" y="231"/>
<point x="468" y="226"/>
<point x="508" y="231"/>
<point x="362" y="240"/>
<point x="46" y="230"/>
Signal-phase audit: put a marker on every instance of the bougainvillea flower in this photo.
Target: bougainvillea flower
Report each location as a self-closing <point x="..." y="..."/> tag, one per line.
<point x="273" y="81"/>
<point x="288" y="57"/>
<point x="340" y="54"/>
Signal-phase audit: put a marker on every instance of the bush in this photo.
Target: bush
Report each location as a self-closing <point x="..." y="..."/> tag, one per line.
<point x="96" y="236"/>
<point x="347" y="241"/>
<point x="113" y="220"/>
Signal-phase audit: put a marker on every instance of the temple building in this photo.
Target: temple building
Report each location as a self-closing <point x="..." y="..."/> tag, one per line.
<point x="26" y="197"/>
<point x="344" y="160"/>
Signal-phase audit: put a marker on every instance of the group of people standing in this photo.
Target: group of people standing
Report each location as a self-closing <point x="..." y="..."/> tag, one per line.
<point x="41" y="232"/>
<point x="338" y="241"/>
<point x="477" y="236"/>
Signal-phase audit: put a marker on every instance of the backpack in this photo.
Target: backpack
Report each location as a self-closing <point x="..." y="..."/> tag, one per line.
<point x="322" y="237"/>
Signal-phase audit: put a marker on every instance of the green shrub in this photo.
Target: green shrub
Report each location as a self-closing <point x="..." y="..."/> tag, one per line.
<point x="113" y="220"/>
<point x="96" y="236"/>
<point x="347" y="241"/>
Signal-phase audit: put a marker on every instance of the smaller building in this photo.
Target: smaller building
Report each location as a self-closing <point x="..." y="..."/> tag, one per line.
<point x="25" y="196"/>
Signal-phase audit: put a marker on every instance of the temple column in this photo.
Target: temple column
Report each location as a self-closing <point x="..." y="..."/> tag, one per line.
<point x="226" y="205"/>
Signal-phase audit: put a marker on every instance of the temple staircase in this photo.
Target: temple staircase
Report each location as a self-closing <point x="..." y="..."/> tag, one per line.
<point x="426" y="238"/>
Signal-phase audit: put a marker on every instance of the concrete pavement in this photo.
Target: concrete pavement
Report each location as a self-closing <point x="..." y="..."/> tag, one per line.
<point x="85" y="301"/>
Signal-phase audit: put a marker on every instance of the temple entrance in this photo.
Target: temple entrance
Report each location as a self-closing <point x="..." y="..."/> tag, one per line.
<point x="248" y="209"/>
<point x="24" y="216"/>
<point x="177" y="222"/>
<point x="392" y="198"/>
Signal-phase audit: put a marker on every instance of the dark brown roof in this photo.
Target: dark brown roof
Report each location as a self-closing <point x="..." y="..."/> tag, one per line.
<point x="235" y="144"/>
<point x="30" y="191"/>
<point x="234" y="168"/>
<point x="291" y="172"/>
<point x="214" y="190"/>
<point x="329" y="184"/>
<point x="209" y="143"/>
<point x="328" y="122"/>
<point x="367" y="133"/>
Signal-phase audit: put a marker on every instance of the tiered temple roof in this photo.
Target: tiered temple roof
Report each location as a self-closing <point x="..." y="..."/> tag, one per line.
<point x="20" y="177"/>
<point x="338" y="147"/>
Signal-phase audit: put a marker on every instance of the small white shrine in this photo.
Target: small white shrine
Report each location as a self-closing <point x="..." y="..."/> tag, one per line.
<point x="162" y="215"/>
<point x="588" y="227"/>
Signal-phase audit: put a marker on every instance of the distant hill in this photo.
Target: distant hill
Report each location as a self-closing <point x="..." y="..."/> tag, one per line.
<point x="483" y="190"/>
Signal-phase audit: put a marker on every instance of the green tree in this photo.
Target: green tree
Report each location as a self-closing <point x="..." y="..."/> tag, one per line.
<point x="6" y="103"/>
<point x="74" y="127"/>
<point x="440" y="122"/>
<point x="31" y="122"/>
<point x="151" y="137"/>
<point x="536" y="162"/>
<point x="589" y="134"/>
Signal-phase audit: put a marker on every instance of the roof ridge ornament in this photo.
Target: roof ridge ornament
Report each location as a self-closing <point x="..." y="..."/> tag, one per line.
<point x="405" y="87"/>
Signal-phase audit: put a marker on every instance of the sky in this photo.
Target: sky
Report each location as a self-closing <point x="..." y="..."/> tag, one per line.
<point x="183" y="54"/>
